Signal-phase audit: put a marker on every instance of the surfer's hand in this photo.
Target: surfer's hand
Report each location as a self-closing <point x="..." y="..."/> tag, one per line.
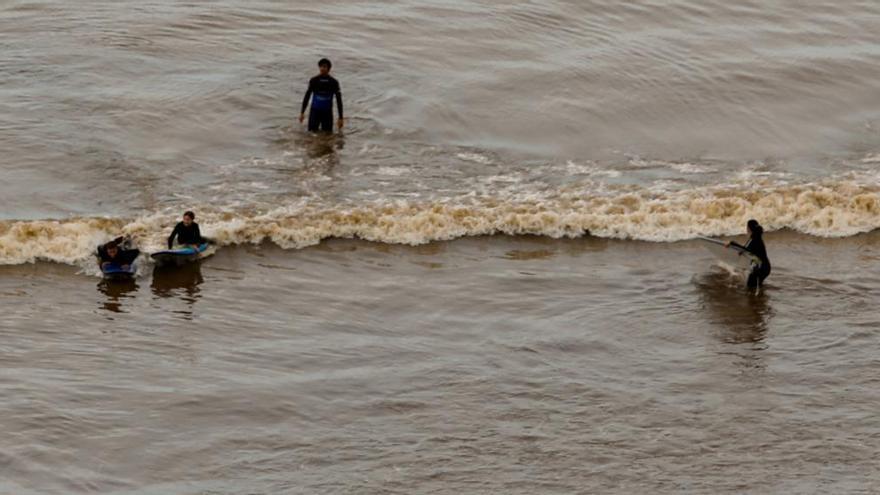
<point x="727" y="244"/>
<point x="340" y="122"/>
<point x="302" y="117"/>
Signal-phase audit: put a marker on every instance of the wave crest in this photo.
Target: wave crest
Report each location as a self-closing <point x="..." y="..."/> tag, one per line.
<point x="834" y="209"/>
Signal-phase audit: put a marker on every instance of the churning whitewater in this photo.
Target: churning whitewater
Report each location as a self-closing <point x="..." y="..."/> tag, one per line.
<point x="837" y="208"/>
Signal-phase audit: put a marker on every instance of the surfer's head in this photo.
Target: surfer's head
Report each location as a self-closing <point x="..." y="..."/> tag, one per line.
<point x="755" y="229"/>
<point x="111" y="248"/>
<point x="188" y="218"/>
<point x="324" y="66"/>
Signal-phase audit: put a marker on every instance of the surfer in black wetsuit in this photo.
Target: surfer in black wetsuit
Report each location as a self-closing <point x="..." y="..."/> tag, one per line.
<point x="755" y="245"/>
<point x="322" y="89"/>
<point x="113" y="253"/>
<point x="187" y="232"/>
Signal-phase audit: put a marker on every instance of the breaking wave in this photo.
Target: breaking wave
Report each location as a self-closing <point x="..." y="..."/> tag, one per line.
<point x="830" y="209"/>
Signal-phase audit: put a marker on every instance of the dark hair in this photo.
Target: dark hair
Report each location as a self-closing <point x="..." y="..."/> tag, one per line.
<point x="189" y="214"/>
<point x="755" y="227"/>
<point x="324" y="62"/>
<point x="111" y="245"/>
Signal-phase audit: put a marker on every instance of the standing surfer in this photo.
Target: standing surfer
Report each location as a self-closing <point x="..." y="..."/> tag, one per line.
<point x="322" y="89"/>
<point x="755" y="245"/>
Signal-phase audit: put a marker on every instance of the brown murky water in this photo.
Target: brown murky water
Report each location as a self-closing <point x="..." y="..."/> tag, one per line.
<point x="487" y="284"/>
<point x="488" y="364"/>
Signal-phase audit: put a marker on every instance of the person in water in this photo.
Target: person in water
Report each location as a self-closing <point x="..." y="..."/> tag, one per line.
<point x="755" y="245"/>
<point x="187" y="232"/>
<point x="322" y="89"/>
<point x="113" y="253"/>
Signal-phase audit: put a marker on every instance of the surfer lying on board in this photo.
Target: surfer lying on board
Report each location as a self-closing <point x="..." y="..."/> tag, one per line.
<point x="322" y="89"/>
<point x="113" y="253"/>
<point x="755" y="245"/>
<point x="187" y="232"/>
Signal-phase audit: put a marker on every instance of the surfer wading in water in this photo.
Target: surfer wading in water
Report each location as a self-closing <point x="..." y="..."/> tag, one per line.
<point x="322" y="89"/>
<point x="755" y="245"/>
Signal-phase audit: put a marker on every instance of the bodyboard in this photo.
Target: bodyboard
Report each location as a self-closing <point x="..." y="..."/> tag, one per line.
<point x="180" y="256"/>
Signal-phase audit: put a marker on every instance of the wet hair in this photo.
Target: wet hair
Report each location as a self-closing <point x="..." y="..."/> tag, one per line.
<point x="191" y="215"/>
<point x="755" y="227"/>
<point x="111" y="245"/>
<point x="326" y="62"/>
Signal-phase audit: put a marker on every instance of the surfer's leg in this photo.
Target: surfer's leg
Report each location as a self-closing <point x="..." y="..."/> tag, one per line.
<point x="754" y="279"/>
<point x="327" y="120"/>
<point x="314" y="120"/>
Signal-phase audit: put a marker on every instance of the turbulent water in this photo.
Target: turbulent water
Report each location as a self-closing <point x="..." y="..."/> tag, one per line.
<point x="486" y="283"/>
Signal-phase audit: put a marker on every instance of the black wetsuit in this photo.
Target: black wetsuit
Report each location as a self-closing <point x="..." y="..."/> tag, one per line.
<point x="758" y="274"/>
<point x="322" y="89"/>
<point x="185" y="235"/>
<point x="123" y="256"/>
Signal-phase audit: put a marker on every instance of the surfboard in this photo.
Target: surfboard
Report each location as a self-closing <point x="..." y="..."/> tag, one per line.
<point x="113" y="271"/>
<point x="734" y="256"/>
<point x="180" y="256"/>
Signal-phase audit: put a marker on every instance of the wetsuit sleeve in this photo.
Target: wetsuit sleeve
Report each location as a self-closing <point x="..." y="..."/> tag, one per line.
<point x="173" y="235"/>
<point x="198" y="234"/>
<point x="128" y="256"/>
<point x="306" y="98"/>
<point x="736" y="244"/>
<point x="339" y="99"/>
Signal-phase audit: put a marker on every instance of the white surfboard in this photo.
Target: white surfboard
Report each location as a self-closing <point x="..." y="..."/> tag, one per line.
<point x="733" y="256"/>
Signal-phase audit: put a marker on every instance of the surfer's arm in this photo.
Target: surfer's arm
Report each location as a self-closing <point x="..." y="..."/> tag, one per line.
<point x="172" y="236"/>
<point x="756" y="247"/>
<point x="305" y="103"/>
<point x="198" y="235"/>
<point x="129" y="256"/>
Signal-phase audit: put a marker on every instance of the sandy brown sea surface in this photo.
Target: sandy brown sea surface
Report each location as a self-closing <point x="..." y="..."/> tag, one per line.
<point x="485" y="365"/>
<point x="488" y="283"/>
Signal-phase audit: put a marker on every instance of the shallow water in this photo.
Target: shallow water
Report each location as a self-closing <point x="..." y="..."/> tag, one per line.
<point x="486" y="364"/>
<point x="487" y="283"/>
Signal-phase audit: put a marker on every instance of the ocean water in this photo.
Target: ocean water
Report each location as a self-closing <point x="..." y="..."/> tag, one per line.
<point x="489" y="282"/>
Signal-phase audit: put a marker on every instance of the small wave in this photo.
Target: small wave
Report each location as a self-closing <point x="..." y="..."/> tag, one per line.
<point x="591" y="169"/>
<point x="832" y="209"/>
<point x="475" y="158"/>
<point x="872" y="158"/>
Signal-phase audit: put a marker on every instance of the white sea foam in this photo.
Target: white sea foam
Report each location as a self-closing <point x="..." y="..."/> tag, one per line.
<point x="590" y="169"/>
<point x="873" y="158"/>
<point x="830" y="209"/>
<point x="475" y="158"/>
<point x="690" y="168"/>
